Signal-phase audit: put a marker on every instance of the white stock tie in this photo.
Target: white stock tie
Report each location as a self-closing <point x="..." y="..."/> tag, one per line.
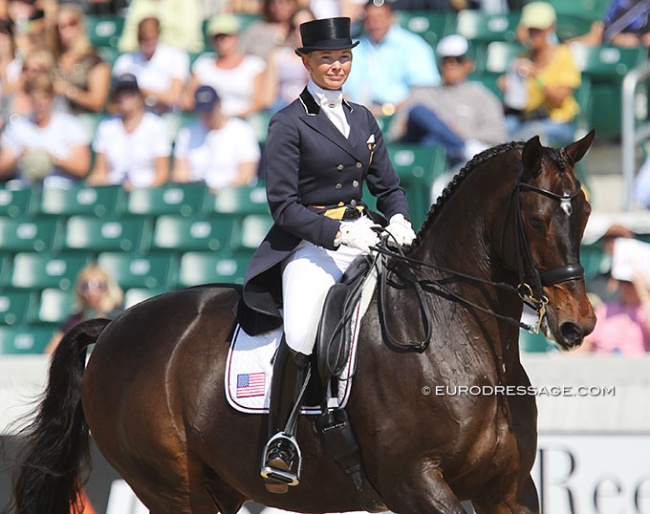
<point x="334" y="111"/>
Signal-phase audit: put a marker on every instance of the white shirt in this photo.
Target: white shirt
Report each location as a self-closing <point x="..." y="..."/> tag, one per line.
<point x="62" y="133"/>
<point x="235" y="86"/>
<point x="215" y="155"/>
<point x="130" y="156"/>
<point x="332" y="103"/>
<point x="156" y="74"/>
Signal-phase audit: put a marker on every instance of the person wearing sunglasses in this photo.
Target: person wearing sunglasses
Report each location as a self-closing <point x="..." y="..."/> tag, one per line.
<point x="462" y="116"/>
<point x="96" y="295"/>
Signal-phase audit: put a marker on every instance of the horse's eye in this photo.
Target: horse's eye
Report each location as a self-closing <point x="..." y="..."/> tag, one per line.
<point x="537" y="223"/>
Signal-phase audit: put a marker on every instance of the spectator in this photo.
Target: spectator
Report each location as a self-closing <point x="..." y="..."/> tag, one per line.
<point x="262" y="36"/>
<point x="133" y="147"/>
<point x="622" y="325"/>
<point x="82" y="76"/>
<point x="238" y="78"/>
<point x="97" y="295"/>
<point x="29" y="26"/>
<point x="286" y="75"/>
<point x="10" y="69"/>
<point x="180" y="23"/>
<point x="625" y="23"/>
<point x="217" y="150"/>
<point x="48" y="146"/>
<point x="548" y="77"/>
<point x="602" y="287"/>
<point x="161" y="70"/>
<point x="388" y="62"/>
<point x="352" y="9"/>
<point x="18" y="102"/>
<point x="464" y="117"/>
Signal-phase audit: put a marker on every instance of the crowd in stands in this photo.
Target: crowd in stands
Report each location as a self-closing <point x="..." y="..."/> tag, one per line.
<point x="220" y="63"/>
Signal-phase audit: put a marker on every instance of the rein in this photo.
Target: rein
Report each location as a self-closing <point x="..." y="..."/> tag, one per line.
<point x="531" y="295"/>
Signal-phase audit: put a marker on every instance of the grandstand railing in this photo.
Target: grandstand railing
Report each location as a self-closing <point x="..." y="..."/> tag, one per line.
<point x="633" y="133"/>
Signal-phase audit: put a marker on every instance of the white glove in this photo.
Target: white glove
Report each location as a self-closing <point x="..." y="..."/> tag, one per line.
<point x="357" y="236"/>
<point x="400" y="230"/>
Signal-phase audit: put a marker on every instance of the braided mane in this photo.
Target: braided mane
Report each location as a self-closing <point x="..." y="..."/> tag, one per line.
<point x="458" y="179"/>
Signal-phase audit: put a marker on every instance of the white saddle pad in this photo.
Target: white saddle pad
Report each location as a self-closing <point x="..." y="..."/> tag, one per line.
<point x="249" y="368"/>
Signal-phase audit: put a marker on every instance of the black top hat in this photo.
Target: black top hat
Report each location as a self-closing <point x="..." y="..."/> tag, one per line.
<point x="325" y="34"/>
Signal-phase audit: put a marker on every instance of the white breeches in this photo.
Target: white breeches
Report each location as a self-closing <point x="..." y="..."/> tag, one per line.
<point x="308" y="274"/>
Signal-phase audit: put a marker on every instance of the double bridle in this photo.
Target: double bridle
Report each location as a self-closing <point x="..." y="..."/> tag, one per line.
<point x="529" y="288"/>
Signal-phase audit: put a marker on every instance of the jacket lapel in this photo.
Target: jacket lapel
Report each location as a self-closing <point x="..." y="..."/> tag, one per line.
<point x="322" y="124"/>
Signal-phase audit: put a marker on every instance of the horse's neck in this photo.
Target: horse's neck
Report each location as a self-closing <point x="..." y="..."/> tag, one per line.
<point x="461" y="238"/>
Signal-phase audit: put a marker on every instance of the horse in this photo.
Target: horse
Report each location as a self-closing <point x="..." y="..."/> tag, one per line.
<point x="504" y="233"/>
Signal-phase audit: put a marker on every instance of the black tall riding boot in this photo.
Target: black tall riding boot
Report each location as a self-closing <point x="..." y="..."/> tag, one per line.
<point x="289" y="372"/>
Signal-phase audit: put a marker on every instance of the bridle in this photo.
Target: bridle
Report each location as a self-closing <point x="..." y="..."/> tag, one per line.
<point x="529" y="287"/>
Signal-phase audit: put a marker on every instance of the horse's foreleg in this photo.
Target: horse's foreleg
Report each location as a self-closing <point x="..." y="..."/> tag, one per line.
<point x="426" y="493"/>
<point x="522" y="499"/>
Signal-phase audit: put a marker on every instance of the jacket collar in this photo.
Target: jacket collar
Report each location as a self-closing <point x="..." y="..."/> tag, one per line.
<point x="311" y="106"/>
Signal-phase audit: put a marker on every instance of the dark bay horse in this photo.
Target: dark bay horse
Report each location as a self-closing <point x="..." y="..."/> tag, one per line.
<point x="152" y="394"/>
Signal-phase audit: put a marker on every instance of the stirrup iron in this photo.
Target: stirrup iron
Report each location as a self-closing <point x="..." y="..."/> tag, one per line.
<point x="286" y="477"/>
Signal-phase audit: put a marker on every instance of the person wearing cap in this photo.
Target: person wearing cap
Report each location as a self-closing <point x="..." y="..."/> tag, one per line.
<point x="389" y="62"/>
<point x="319" y="151"/>
<point x="161" y="70"/>
<point x="132" y="147"/>
<point x="550" y="78"/>
<point x="216" y="149"/>
<point x="47" y="147"/>
<point x="180" y="24"/>
<point x="465" y="117"/>
<point x="237" y="77"/>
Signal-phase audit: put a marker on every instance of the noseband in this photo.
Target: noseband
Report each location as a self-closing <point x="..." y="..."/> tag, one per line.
<point x="530" y="288"/>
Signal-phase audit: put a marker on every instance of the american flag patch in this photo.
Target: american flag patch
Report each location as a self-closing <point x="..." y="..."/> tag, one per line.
<point x="250" y="384"/>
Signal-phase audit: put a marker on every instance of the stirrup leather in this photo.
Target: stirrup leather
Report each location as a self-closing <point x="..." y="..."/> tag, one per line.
<point x="286" y="477"/>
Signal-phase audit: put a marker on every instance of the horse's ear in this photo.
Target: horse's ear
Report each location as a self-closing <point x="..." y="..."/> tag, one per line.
<point x="531" y="156"/>
<point x="577" y="150"/>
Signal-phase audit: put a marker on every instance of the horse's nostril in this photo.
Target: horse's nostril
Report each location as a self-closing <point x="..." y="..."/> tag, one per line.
<point x="571" y="332"/>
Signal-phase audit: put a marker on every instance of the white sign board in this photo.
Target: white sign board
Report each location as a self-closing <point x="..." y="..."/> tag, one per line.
<point x="593" y="474"/>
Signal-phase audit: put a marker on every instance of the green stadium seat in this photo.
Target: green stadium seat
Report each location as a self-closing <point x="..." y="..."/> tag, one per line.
<point x="431" y="25"/>
<point x="177" y="120"/>
<point x="254" y="228"/>
<point x="97" y="201"/>
<point x="260" y="123"/>
<point x="28" y="235"/>
<point x="24" y="340"/>
<point x="482" y="28"/>
<point x="591" y="258"/>
<point x="178" y="199"/>
<point x="129" y="271"/>
<point x="54" y="307"/>
<point x="109" y="54"/>
<point x="94" y="235"/>
<point x="238" y="200"/>
<point x="15" y="307"/>
<point x="44" y="270"/>
<point x="590" y="10"/>
<point x="104" y="30"/>
<point x="89" y="121"/>
<point x="605" y="68"/>
<point x="569" y="26"/>
<point x="136" y="295"/>
<point x="417" y="166"/>
<point x="207" y="268"/>
<point x="173" y="233"/>
<point x="15" y="203"/>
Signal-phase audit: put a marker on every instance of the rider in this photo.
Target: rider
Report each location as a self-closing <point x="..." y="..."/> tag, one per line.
<point x="319" y="151"/>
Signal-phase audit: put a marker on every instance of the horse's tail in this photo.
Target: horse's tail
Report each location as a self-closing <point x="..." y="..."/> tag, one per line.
<point x="48" y="477"/>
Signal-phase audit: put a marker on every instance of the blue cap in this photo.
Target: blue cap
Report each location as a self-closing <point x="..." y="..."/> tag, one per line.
<point x="205" y="99"/>
<point x="126" y="82"/>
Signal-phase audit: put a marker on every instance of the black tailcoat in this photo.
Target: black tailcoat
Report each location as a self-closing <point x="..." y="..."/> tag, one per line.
<point x="310" y="163"/>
